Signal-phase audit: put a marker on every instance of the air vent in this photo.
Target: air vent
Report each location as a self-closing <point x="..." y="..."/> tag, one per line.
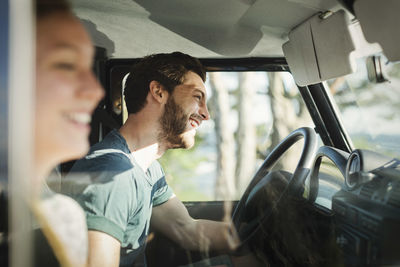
<point x="394" y="198"/>
<point x="368" y="189"/>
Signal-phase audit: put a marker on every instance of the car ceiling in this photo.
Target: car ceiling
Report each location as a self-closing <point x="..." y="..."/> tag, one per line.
<point x="205" y="28"/>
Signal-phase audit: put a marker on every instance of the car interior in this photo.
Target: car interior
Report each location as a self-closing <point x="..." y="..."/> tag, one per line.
<point x="322" y="190"/>
<point x="349" y="195"/>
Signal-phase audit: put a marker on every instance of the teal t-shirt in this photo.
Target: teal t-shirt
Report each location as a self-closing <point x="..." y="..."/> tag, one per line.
<point x="116" y="194"/>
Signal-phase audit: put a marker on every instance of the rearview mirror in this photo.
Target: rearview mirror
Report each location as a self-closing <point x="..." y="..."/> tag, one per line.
<point x="375" y="69"/>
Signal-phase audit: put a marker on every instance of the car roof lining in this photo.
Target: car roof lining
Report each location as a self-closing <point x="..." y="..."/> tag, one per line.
<point x="207" y="28"/>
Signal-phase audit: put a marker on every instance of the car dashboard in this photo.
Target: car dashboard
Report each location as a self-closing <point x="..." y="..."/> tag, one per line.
<point x="366" y="208"/>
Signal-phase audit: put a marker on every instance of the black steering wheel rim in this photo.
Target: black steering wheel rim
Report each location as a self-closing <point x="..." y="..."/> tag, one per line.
<point x="296" y="181"/>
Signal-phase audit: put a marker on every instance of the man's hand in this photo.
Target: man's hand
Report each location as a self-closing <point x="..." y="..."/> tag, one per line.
<point x="173" y="220"/>
<point x="215" y="235"/>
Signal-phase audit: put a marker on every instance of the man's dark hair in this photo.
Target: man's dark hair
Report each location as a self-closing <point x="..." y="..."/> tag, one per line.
<point x="167" y="69"/>
<point x="48" y="7"/>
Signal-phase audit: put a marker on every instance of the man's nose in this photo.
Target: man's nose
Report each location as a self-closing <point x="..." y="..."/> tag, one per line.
<point x="204" y="112"/>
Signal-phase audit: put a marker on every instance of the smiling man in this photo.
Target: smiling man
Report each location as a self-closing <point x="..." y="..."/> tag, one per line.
<point x="166" y="101"/>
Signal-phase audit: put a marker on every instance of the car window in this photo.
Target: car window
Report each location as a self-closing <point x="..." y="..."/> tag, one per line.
<point x="370" y="111"/>
<point x="250" y="113"/>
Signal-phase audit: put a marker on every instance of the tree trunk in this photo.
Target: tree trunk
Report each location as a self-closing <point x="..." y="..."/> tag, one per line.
<point x="225" y="187"/>
<point x="246" y="133"/>
<point x="284" y="119"/>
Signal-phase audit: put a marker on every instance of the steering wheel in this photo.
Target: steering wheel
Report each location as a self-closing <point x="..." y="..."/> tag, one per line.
<point x="248" y="227"/>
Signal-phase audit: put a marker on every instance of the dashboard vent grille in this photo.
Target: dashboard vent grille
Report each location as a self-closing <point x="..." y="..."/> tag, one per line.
<point x="368" y="189"/>
<point x="394" y="198"/>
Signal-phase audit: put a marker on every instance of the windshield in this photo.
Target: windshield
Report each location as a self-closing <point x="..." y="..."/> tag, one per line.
<point x="251" y="112"/>
<point x="370" y="111"/>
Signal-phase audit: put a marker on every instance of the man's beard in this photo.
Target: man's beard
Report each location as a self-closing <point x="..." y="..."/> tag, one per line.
<point x="174" y="123"/>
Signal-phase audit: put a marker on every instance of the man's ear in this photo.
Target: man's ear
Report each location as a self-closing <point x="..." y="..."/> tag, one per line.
<point x="158" y="91"/>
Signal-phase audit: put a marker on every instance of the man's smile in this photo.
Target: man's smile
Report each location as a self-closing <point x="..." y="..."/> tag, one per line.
<point x="194" y="123"/>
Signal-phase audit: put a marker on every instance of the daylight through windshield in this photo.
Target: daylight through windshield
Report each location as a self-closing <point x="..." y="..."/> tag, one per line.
<point x="370" y="111"/>
<point x="251" y="112"/>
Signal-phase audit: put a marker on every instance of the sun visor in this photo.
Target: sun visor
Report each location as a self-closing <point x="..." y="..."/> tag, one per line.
<point x="319" y="49"/>
<point x="380" y="22"/>
<point x="300" y="55"/>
